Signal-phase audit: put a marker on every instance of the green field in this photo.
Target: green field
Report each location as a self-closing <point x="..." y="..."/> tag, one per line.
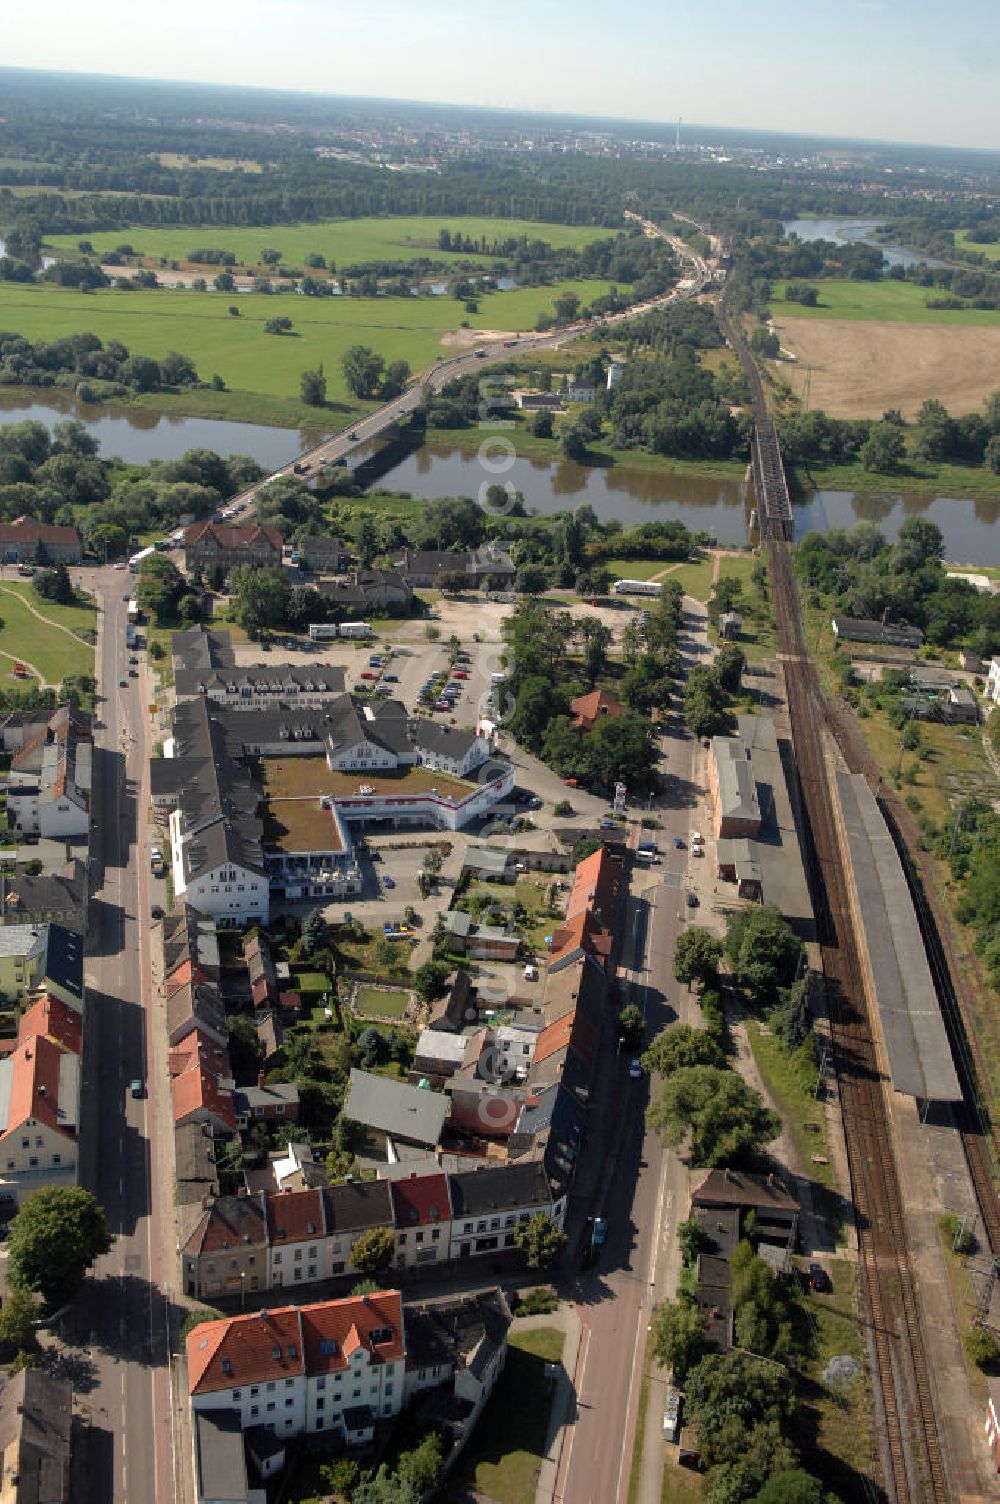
<point x="252" y="362"/>
<point x="376" y="1002"/>
<point x="964" y="242"/>
<point x="54" y="653"/>
<point x="342" y="241"/>
<point x="895" y="302"/>
<point x="637" y="569"/>
<point x="695" y="579"/>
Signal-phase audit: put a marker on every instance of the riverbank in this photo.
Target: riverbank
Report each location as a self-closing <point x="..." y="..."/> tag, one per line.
<point x="602" y="454"/>
<point x="956" y="482"/>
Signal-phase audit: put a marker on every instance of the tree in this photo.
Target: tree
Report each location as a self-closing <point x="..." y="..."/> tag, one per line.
<point x="315" y="934"/>
<point x="730" y="661"/>
<point x="55" y="1237"/>
<point x="705" y="702"/>
<point x="340" y="1476"/>
<point x="540" y="1239"/>
<point x="55" y="585"/>
<point x="765" y="342"/>
<point x="573" y="443"/>
<point x="107" y="540"/>
<point x="567" y="306"/>
<point x="764" y="951"/>
<point x="597" y="638"/>
<point x="159" y="588"/>
<point x="723" y="1118"/>
<point x="260" y="597"/>
<point x="682" y="1046"/>
<point x="312" y="387"/>
<point x="992" y="454"/>
<point x="697" y="954"/>
<point x="270" y="257"/>
<point x="541" y="424"/>
<point x="429" y="980"/>
<point x="791" y="1486"/>
<point x="373" y="1249"/>
<point x="693" y="1239"/>
<point x="680" y="1337"/>
<point x="883" y="449"/>
<point x="20" y="1310"/>
<point x="394" y="381"/>
<point x="631" y="1026"/>
<point x="531" y="579"/>
<point x="362" y="370"/>
<point x="279" y="325"/>
<point x="421" y="1468"/>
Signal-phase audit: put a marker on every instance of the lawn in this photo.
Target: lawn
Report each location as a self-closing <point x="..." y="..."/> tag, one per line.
<point x="376" y="1002"/>
<point x="367" y="955"/>
<point x="311" y="981"/>
<point x="835" y="1428"/>
<point x="965" y="242"/>
<point x="342" y="241"/>
<point x="695" y="579"/>
<point x="790" y="1077"/>
<point x="519" y="1408"/>
<point x="256" y="364"/>
<point x="55" y="653"/>
<point x="897" y="302"/>
<point x="637" y="569"/>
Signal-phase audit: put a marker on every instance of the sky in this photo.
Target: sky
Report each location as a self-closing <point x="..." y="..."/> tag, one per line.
<point x="899" y="70"/>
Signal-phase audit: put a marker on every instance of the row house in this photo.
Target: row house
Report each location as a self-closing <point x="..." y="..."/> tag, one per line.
<point x="40" y="1102"/>
<point x="48" y="786"/>
<point x="273" y="1241"/>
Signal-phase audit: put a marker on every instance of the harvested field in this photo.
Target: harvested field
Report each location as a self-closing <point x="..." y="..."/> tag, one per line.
<point x="859" y="368"/>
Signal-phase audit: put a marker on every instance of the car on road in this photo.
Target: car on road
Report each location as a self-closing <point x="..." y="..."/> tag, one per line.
<point x="534" y="802"/>
<point x="819" y="1280"/>
<point x="697" y="839"/>
<point x="367" y="673"/>
<point x="136" y="1087"/>
<point x="120" y="564"/>
<point x="572" y="783"/>
<point x="352" y="436"/>
<point x="123" y="684"/>
<point x="635" y="1071"/>
<point x="600" y="1233"/>
<point x="460" y="673"/>
<point x="691" y="899"/>
<point x="387" y="881"/>
<point x="156" y="912"/>
<point x="391" y="678"/>
<point x="442" y="705"/>
<point x="679" y="842"/>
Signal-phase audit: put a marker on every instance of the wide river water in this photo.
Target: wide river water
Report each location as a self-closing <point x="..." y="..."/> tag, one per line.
<point x="971" y="528"/>
<point x="857" y="230"/>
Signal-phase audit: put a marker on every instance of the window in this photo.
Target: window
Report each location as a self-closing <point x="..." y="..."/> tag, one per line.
<point x="435" y="1235"/>
<point x="420" y="1237"/>
<point x="320" y="1402"/>
<point x="270" y="1387"/>
<point x="321" y="1381"/>
<point x="290" y="1402"/>
<point x="236" y="1394"/>
<point x="298" y="1255"/>
<point x="289" y="1383"/>
<point x="33" y="1161"/>
<point x="401" y="1239"/>
<point x="388" y="1388"/>
<point x="357" y="1394"/>
<point x="254" y="1411"/>
<point x="254" y="1391"/>
<point x="277" y="1257"/>
<point x="39" y="1141"/>
<point x="26" y="1143"/>
<point x="270" y="1406"/>
<point x="11" y="1164"/>
<point x="57" y="1159"/>
<point x="466" y="1226"/>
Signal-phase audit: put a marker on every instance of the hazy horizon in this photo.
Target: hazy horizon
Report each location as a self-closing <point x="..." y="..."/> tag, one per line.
<point x="869" y="70"/>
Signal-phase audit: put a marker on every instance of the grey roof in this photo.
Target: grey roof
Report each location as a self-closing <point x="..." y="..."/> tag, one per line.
<point x="490" y="859"/>
<point x="740" y="854"/>
<point x="500" y="1188"/>
<point x="220" y="1461"/>
<point x="24" y="939"/>
<point x="189" y="936"/>
<point x="44" y="893"/>
<point x="457" y="922"/>
<point x="167" y="775"/>
<point x="271" y="1094"/>
<point x="743" y="1189"/>
<point x="194" y="1156"/>
<point x="909" y="1014"/>
<point x="737" y="789"/>
<point x="359" y="1204"/>
<point x="36" y="1410"/>
<point x="464" y="1332"/>
<point x="198" y="1006"/>
<point x="859" y="629"/>
<point x="402" y="1111"/>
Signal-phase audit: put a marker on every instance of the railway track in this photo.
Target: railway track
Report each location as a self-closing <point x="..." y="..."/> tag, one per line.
<point x="910" y="1465"/>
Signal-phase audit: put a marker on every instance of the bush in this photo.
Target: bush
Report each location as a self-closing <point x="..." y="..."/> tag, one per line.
<point x="537" y="1302"/>
<point x="982" y="1348"/>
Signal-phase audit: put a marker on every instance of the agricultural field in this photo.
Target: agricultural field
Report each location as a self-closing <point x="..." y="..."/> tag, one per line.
<point x="48" y="645"/>
<point x="256" y="365"/>
<point x="873" y="346"/>
<point x="342" y="241"/>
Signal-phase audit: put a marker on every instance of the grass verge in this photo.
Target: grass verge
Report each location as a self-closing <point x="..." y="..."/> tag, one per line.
<point x="790" y="1078"/>
<point x="834" y="1424"/>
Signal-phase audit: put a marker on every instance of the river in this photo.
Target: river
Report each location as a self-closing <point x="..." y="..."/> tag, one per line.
<point x="857" y="230"/>
<point x="970" y="527"/>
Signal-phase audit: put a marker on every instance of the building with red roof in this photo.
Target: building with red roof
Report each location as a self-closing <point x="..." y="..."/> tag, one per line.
<point x="215" y="548"/>
<point x="336" y="1366"/>
<point x="202" y="1083"/>
<point x="25" y="541"/>
<point x="421" y="1207"/>
<point x="587" y="710"/>
<point x="40" y="1102"/>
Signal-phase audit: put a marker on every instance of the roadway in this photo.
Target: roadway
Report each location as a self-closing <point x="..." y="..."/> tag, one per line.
<point x="120" y="1320"/>
<point x="644" y="1189"/>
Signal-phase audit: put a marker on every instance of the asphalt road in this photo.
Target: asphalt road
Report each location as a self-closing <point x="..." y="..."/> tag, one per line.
<point x="644" y="1189"/>
<point x="120" y="1320"/>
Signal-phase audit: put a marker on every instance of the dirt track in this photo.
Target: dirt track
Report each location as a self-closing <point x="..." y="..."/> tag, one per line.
<point x="860" y="368"/>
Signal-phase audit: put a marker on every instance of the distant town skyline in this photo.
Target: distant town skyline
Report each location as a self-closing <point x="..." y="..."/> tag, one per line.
<point x="876" y="69"/>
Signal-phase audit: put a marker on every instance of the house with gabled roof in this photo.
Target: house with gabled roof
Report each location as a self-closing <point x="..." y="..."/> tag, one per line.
<point x="40" y="1101"/>
<point x="214" y="548"/>
<point x="202" y="1085"/>
<point x="421" y="1207"/>
<point x="335" y="1367"/>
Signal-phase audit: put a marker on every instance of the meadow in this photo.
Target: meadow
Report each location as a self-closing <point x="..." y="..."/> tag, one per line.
<point x="890" y="301"/>
<point x="46" y="644"/>
<point x="343" y="241"/>
<point x="252" y="363"/>
<point x="965" y="242"/>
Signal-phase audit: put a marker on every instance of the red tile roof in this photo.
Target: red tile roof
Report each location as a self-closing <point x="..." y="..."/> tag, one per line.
<point x="34" y="1086"/>
<point x="582" y="933"/>
<point x="27" y="530"/>
<point x="233" y="536"/>
<point x="556" y="1037"/>
<point x="292" y="1341"/>
<point x="598" y="705"/>
<point x="51" y="1016"/>
<point x="295" y="1216"/>
<point x="595" y="885"/>
<point x="198" y="1067"/>
<point x="420" y="1201"/>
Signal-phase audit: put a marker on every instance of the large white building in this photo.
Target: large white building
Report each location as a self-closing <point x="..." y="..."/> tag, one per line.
<point x="48" y="786"/>
<point x="993" y="681"/>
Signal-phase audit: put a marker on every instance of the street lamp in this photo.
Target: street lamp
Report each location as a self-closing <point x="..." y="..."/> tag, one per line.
<point x="243" y="1290"/>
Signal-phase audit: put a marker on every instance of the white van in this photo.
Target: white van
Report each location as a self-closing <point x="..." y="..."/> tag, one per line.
<point x="497" y="678"/>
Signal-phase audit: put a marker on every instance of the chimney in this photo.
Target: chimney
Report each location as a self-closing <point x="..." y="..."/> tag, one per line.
<point x="260" y="1078"/>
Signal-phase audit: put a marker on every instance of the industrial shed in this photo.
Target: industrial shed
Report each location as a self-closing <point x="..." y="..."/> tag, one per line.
<point x="902" y="999"/>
